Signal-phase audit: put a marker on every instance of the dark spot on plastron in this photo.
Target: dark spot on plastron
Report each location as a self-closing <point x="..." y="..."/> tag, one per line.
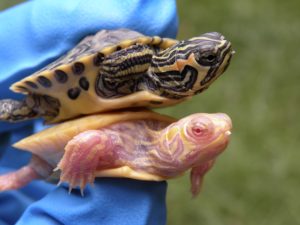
<point x="156" y="102"/>
<point x="73" y="93"/>
<point x="118" y="48"/>
<point x="45" y="82"/>
<point x="31" y="84"/>
<point x="78" y="68"/>
<point x="61" y="76"/>
<point x="98" y="59"/>
<point x="84" y="84"/>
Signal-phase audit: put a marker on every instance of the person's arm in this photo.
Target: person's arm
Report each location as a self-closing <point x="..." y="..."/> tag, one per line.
<point x="32" y="35"/>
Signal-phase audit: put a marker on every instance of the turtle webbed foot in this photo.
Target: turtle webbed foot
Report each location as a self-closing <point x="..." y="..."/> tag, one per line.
<point x="80" y="161"/>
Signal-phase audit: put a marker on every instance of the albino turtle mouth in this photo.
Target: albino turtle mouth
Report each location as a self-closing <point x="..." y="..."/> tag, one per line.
<point x="222" y="139"/>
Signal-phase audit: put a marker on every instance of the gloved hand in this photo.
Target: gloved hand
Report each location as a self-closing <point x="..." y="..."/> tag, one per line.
<point x="34" y="34"/>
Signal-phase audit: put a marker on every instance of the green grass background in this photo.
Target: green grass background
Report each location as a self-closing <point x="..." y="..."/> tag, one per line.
<point x="257" y="180"/>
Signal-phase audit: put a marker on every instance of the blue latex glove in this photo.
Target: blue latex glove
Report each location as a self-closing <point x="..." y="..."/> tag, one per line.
<point x="34" y="34"/>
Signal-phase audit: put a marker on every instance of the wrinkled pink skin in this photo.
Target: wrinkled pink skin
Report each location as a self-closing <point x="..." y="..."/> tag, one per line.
<point x="146" y="146"/>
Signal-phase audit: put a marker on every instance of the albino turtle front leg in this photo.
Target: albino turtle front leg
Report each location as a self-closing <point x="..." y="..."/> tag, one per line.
<point x="81" y="158"/>
<point x="197" y="176"/>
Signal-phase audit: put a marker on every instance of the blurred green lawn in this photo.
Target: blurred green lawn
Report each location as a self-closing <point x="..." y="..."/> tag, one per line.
<point x="257" y="180"/>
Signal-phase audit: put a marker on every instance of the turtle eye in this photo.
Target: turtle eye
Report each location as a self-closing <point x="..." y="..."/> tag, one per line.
<point x="209" y="58"/>
<point x="199" y="130"/>
<point x="206" y="59"/>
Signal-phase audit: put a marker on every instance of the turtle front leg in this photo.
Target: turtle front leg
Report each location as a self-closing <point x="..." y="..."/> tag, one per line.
<point x="81" y="158"/>
<point x="197" y="176"/>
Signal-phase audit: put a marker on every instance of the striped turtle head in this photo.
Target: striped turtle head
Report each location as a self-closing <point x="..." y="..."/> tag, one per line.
<point x="190" y="66"/>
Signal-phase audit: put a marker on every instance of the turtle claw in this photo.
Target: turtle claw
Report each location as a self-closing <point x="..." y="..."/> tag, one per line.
<point x="82" y="185"/>
<point x="70" y="189"/>
<point x="81" y="192"/>
<point x="73" y="181"/>
<point x="59" y="183"/>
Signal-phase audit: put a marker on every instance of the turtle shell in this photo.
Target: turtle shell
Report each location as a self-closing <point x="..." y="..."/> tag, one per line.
<point x="49" y="144"/>
<point x="71" y="79"/>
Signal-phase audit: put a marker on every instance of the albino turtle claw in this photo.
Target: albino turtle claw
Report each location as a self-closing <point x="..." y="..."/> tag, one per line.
<point x="145" y="149"/>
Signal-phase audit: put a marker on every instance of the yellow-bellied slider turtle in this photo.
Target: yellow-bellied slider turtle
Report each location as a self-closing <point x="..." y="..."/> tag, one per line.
<point x="117" y="69"/>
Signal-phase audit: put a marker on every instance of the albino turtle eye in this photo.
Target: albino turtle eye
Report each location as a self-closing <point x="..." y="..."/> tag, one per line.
<point x="199" y="131"/>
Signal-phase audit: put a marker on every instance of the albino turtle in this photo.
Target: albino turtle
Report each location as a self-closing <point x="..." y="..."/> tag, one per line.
<point x="116" y="69"/>
<point x="135" y="144"/>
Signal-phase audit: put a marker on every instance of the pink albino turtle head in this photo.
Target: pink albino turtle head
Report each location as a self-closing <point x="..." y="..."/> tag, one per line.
<point x="207" y="134"/>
